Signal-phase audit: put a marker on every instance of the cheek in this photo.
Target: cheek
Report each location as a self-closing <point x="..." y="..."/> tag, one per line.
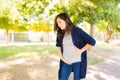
<point x="64" y="25"/>
<point x="59" y="25"/>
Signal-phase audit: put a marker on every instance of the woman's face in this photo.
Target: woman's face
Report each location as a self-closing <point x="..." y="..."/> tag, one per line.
<point x="61" y="24"/>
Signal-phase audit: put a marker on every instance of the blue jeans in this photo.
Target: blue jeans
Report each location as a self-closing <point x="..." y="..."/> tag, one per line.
<point x="67" y="69"/>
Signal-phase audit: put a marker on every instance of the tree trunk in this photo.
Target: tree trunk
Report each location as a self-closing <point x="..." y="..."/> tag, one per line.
<point x="12" y="36"/>
<point x="7" y="36"/>
<point x="107" y="37"/>
<point x="92" y="28"/>
<point x="48" y="38"/>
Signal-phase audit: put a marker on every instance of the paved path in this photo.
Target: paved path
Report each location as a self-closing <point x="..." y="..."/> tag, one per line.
<point x="109" y="69"/>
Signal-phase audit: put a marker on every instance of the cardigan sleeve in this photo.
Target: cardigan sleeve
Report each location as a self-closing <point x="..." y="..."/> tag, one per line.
<point x="58" y="42"/>
<point x="86" y="37"/>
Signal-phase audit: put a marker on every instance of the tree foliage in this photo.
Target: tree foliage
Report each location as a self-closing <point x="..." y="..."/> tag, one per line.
<point x="24" y="15"/>
<point x="93" y="12"/>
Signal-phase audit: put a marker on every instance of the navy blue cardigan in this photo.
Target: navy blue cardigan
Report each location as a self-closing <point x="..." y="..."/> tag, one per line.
<point x="79" y="38"/>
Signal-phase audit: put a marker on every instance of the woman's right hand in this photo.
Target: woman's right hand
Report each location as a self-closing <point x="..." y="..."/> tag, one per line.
<point x="66" y="61"/>
<point x="61" y="56"/>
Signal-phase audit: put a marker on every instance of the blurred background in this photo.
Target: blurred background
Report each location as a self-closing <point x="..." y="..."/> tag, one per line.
<point x="27" y="37"/>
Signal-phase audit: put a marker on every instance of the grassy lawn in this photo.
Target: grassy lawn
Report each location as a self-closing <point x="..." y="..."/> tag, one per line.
<point x="28" y="63"/>
<point x="12" y="52"/>
<point x="26" y="51"/>
<point x="36" y="61"/>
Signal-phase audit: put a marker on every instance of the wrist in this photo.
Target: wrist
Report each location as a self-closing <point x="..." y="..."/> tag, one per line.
<point x="61" y="58"/>
<point x="82" y="50"/>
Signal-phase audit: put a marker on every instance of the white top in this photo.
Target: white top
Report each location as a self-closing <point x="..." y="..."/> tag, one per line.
<point x="68" y="50"/>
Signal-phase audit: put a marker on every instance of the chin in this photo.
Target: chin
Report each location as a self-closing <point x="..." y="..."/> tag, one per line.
<point x="62" y="29"/>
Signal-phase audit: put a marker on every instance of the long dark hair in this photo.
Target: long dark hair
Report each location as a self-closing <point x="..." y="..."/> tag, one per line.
<point x="69" y="25"/>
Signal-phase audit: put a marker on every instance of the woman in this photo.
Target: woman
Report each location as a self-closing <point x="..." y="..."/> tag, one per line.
<point x="72" y="45"/>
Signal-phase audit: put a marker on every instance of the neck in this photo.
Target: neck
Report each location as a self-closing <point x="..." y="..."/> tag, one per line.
<point x="68" y="33"/>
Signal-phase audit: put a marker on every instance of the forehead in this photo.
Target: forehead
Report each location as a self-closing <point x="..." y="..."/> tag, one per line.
<point x="59" y="19"/>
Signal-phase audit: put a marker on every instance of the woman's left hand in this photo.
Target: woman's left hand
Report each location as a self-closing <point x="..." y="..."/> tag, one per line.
<point x="78" y="51"/>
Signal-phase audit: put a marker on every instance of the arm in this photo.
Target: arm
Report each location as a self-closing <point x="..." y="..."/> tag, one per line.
<point x="85" y="39"/>
<point x="80" y="51"/>
<point x="59" y="52"/>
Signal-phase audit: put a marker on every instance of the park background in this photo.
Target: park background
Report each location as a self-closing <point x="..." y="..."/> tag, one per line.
<point x="27" y="37"/>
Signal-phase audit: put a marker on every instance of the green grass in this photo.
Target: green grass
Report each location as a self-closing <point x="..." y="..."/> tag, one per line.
<point x="26" y="51"/>
<point x="94" y="61"/>
<point x="12" y="52"/>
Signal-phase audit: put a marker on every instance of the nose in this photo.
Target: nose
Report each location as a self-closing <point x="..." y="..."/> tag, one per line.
<point x="59" y="25"/>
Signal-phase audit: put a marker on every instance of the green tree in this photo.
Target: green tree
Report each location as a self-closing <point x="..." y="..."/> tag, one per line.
<point x="33" y="14"/>
<point x="6" y="22"/>
<point x="92" y="11"/>
<point x="31" y="10"/>
<point x="79" y="10"/>
<point x="43" y="26"/>
<point x="108" y="16"/>
<point x="8" y="17"/>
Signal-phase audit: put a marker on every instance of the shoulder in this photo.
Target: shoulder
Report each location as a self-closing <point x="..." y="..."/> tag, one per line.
<point x="77" y="29"/>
